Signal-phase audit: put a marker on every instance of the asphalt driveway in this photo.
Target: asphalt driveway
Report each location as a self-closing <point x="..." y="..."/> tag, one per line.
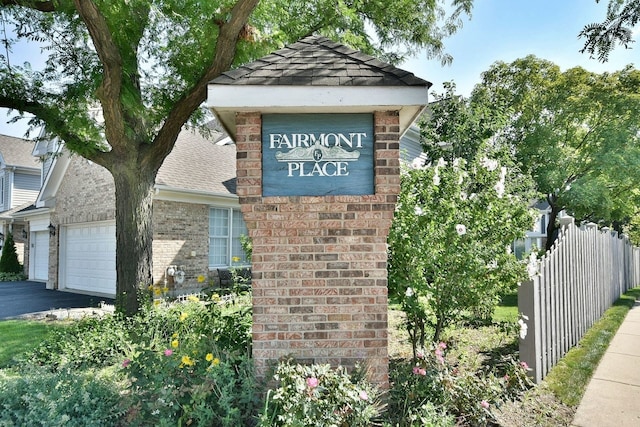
<point x="22" y="298"/>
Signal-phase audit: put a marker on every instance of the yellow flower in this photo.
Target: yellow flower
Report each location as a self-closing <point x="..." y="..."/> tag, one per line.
<point x="156" y="302"/>
<point x="209" y="357"/>
<point x="235" y="259"/>
<point x="175" y="343"/>
<point x="150" y="287"/>
<point x="157" y="291"/>
<point x="174" y="335"/>
<point x="165" y="290"/>
<point x="201" y="278"/>
<point x="193" y="298"/>
<point x="215" y="297"/>
<point x="183" y="316"/>
<point x="186" y="360"/>
<point x="215" y="362"/>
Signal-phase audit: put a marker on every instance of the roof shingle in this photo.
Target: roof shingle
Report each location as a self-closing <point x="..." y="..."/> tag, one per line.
<point x="318" y="61"/>
<point x="17" y="152"/>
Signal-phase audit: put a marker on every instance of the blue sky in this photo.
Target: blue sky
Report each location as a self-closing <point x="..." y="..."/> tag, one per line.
<point x="504" y="30"/>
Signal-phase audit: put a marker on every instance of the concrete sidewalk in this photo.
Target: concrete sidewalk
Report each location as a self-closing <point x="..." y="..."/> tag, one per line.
<point x="612" y="397"/>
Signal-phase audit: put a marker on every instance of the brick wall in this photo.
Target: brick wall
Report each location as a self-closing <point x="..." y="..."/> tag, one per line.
<point x="320" y="263"/>
<point x="180" y="230"/>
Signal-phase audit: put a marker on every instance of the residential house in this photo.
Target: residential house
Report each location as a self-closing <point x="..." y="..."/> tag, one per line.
<point x="197" y="224"/>
<point x="20" y="179"/>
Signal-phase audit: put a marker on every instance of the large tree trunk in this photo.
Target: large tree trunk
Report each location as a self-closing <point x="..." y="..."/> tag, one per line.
<point x="551" y="225"/>
<point x="134" y="236"/>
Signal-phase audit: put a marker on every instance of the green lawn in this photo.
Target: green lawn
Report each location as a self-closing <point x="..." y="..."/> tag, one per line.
<point x="507" y="310"/>
<point x="19" y="336"/>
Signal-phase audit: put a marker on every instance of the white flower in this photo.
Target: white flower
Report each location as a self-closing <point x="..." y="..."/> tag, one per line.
<point x="499" y="187"/>
<point x="418" y="210"/>
<point x="409" y="292"/>
<point x="489" y="164"/>
<point x="441" y="163"/>
<point x="523" y="329"/>
<point x="436" y="178"/>
<point x="463" y="195"/>
<point x="418" y="162"/>
<point x="461" y="229"/>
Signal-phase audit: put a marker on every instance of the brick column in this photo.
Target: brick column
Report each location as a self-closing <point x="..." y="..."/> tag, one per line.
<point x="320" y="263"/>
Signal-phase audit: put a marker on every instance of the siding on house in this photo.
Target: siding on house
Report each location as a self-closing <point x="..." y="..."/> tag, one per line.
<point x="25" y="188"/>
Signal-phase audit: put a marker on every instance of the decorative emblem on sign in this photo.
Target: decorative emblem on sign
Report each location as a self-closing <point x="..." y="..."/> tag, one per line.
<point x="316" y="153"/>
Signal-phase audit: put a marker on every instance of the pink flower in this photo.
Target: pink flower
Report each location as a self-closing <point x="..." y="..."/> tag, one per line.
<point x="438" y="354"/>
<point x="484" y="404"/>
<point x="168" y="352"/>
<point x="420" y="354"/>
<point x="442" y="346"/>
<point x="524" y="366"/>
<point x="312" y="382"/>
<point x="126" y="363"/>
<point x="419" y="371"/>
<point x="363" y="395"/>
<point x="506" y="378"/>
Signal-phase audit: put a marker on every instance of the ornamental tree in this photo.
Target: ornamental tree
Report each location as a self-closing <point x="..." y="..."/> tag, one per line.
<point x="145" y="65"/>
<point x="455" y="220"/>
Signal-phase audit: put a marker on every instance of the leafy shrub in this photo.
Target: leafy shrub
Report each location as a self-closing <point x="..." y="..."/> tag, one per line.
<point x="180" y="387"/>
<point x="319" y="396"/>
<point x="64" y="398"/>
<point x="12" y="277"/>
<point x="86" y="343"/>
<point x="9" y="258"/>
<point x="466" y="394"/>
<point x="184" y="363"/>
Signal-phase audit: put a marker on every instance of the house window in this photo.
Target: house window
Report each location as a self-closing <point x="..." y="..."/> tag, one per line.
<point x="225" y="228"/>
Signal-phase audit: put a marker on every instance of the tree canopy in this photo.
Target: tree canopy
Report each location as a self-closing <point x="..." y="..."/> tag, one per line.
<point x="575" y="132"/>
<point x="145" y="65"/>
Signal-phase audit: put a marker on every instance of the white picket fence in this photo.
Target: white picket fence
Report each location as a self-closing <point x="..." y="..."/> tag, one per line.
<point x="584" y="273"/>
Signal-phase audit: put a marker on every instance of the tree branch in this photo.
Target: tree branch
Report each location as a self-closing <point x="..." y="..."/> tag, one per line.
<point x="42" y="6"/>
<point x="221" y="62"/>
<point x="111" y="86"/>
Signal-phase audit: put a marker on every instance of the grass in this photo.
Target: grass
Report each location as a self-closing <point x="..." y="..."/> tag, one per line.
<point x="569" y="378"/>
<point x="507" y="310"/>
<point x="19" y="336"/>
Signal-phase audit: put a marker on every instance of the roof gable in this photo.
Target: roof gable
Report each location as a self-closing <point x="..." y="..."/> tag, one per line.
<point x="17" y="152"/>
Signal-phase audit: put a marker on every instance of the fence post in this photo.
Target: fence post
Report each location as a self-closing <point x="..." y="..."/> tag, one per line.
<point x="530" y="333"/>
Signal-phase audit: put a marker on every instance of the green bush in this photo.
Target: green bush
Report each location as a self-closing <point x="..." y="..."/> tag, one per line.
<point x="467" y="395"/>
<point x="319" y="396"/>
<point x="64" y="398"/>
<point x="184" y="363"/>
<point x="9" y="258"/>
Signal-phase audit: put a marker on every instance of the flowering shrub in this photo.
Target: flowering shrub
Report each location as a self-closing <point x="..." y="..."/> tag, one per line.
<point x="431" y="387"/>
<point x="448" y="242"/>
<point x="318" y="396"/>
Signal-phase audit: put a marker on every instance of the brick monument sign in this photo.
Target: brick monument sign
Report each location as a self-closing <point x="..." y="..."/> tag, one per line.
<point x="317" y="127"/>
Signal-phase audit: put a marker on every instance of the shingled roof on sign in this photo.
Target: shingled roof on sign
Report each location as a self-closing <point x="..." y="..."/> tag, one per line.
<point x="318" y="61"/>
<point x="316" y="75"/>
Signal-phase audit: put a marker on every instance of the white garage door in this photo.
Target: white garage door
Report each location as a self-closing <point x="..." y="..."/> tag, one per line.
<point x="39" y="255"/>
<point x="88" y="258"/>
